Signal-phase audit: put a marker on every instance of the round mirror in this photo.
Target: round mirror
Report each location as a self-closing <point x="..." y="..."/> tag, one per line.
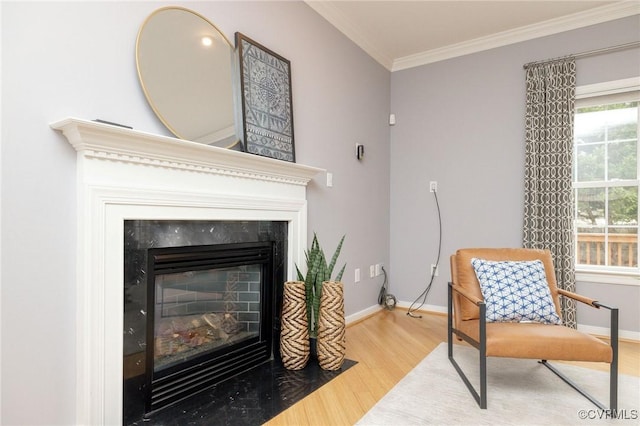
<point x="185" y="68"/>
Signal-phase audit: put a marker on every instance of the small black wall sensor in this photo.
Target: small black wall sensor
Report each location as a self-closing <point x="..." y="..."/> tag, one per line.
<point x="359" y="151"/>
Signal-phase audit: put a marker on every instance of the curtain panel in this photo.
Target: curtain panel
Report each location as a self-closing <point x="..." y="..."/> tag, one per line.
<point x="549" y="207"/>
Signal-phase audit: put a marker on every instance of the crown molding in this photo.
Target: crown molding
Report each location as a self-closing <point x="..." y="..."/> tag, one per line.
<point x="593" y="16"/>
<point x="345" y="25"/>
<point x="553" y="26"/>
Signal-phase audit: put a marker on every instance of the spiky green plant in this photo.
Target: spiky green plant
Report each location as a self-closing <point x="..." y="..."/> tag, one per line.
<point x="317" y="272"/>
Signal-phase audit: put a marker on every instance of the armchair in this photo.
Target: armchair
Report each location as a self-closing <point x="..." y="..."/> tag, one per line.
<point x="467" y="319"/>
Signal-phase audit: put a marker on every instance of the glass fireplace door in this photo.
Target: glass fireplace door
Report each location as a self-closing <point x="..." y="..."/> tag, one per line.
<point x="196" y="312"/>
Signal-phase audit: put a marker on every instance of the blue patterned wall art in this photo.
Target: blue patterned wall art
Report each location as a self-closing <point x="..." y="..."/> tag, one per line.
<point x="265" y="79"/>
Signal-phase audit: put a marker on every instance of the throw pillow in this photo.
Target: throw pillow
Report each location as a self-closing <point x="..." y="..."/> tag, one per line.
<point x="515" y="291"/>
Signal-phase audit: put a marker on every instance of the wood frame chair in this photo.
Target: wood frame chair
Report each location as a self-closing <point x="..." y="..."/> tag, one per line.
<point x="522" y="340"/>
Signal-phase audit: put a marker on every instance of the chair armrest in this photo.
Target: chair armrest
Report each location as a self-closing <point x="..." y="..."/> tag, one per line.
<point x="579" y="298"/>
<point x="466" y="294"/>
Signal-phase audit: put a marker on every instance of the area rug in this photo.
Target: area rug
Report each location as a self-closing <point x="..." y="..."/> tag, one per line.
<point x="520" y="392"/>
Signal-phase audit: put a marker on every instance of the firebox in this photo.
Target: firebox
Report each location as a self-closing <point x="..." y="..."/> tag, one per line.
<point x="198" y="314"/>
<point x="211" y="317"/>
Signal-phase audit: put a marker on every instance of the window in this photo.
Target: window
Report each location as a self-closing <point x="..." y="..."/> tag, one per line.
<point x="605" y="176"/>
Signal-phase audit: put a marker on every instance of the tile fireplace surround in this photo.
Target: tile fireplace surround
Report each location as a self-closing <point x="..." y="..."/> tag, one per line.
<point x="127" y="174"/>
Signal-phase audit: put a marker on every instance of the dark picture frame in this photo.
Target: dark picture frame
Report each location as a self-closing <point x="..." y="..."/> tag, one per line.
<point x="267" y="107"/>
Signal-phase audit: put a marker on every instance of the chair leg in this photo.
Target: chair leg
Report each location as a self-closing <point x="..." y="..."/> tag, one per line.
<point x="449" y="322"/>
<point x="613" y="368"/>
<point x="483" y="357"/>
<point x="481" y="398"/>
<point x="581" y="391"/>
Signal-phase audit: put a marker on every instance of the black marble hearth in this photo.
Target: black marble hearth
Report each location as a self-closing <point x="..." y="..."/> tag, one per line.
<point x="251" y="398"/>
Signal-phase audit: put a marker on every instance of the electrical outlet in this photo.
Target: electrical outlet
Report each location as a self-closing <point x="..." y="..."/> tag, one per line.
<point x="433" y="186"/>
<point x="434" y="270"/>
<point x="357" y="275"/>
<point x="372" y="271"/>
<point x="378" y="269"/>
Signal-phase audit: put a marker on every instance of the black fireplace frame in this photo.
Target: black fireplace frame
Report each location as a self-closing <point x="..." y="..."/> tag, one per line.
<point x="177" y="383"/>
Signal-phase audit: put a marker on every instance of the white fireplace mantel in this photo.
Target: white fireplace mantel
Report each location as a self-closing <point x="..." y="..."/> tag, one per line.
<point x="126" y="174"/>
<point x="99" y="140"/>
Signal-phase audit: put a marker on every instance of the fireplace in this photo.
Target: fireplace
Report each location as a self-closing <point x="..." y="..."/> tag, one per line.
<point x="207" y="301"/>
<point x="201" y="306"/>
<point x="125" y="176"/>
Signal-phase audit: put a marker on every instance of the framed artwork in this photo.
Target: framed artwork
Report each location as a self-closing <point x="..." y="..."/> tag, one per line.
<point x="267" y="114"/>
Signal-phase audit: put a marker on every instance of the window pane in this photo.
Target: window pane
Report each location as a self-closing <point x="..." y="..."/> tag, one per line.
<point x="623" y="205"/>
<point x="589" y="125"/>
<point x="623" y="247"/>
<point x="591" y="203"/>
<point x="590" y="247"/>
<point x="620" y="121"/>
<point x="606" y="134"/>
<point x="623" y="161"/>
<point x="590" y="162"/>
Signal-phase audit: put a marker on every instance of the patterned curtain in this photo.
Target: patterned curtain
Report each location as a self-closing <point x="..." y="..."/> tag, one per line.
<point x="548" y="201"/>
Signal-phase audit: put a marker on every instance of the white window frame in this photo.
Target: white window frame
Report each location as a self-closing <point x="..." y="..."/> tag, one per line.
<point x="602" y="274"/>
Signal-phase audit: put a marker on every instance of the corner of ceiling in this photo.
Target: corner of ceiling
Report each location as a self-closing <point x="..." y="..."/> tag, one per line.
<point x="347" y="27"/>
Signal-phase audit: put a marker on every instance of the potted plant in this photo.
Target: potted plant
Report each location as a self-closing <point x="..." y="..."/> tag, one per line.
<point x="318" y="271"/>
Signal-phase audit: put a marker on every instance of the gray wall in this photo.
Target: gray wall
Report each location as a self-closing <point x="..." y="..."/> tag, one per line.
<point x="460" y="122"/>
<point x="77" y="59"/>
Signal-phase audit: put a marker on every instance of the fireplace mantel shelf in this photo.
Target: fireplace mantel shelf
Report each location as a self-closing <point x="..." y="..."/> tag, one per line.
<point x="109" y="142"/>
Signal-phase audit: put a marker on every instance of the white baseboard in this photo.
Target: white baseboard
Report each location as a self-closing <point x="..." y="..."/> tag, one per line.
<point x="375" y="308"/>
<point x="590" y="329"/>
<point x="603" y="331"/>
<point x="362" y="314"/>
<point x="428" y="308"/>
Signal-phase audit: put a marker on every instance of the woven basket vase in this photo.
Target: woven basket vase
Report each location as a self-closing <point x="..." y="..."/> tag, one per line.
<point x="294" y="331"/>
<point x="331" y="326"/>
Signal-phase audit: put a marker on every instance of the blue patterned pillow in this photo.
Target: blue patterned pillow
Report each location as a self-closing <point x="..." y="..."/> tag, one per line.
<point x="515" y="291"/>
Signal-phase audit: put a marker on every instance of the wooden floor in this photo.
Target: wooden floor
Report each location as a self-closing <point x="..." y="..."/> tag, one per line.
<point x="387" y="346"/>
